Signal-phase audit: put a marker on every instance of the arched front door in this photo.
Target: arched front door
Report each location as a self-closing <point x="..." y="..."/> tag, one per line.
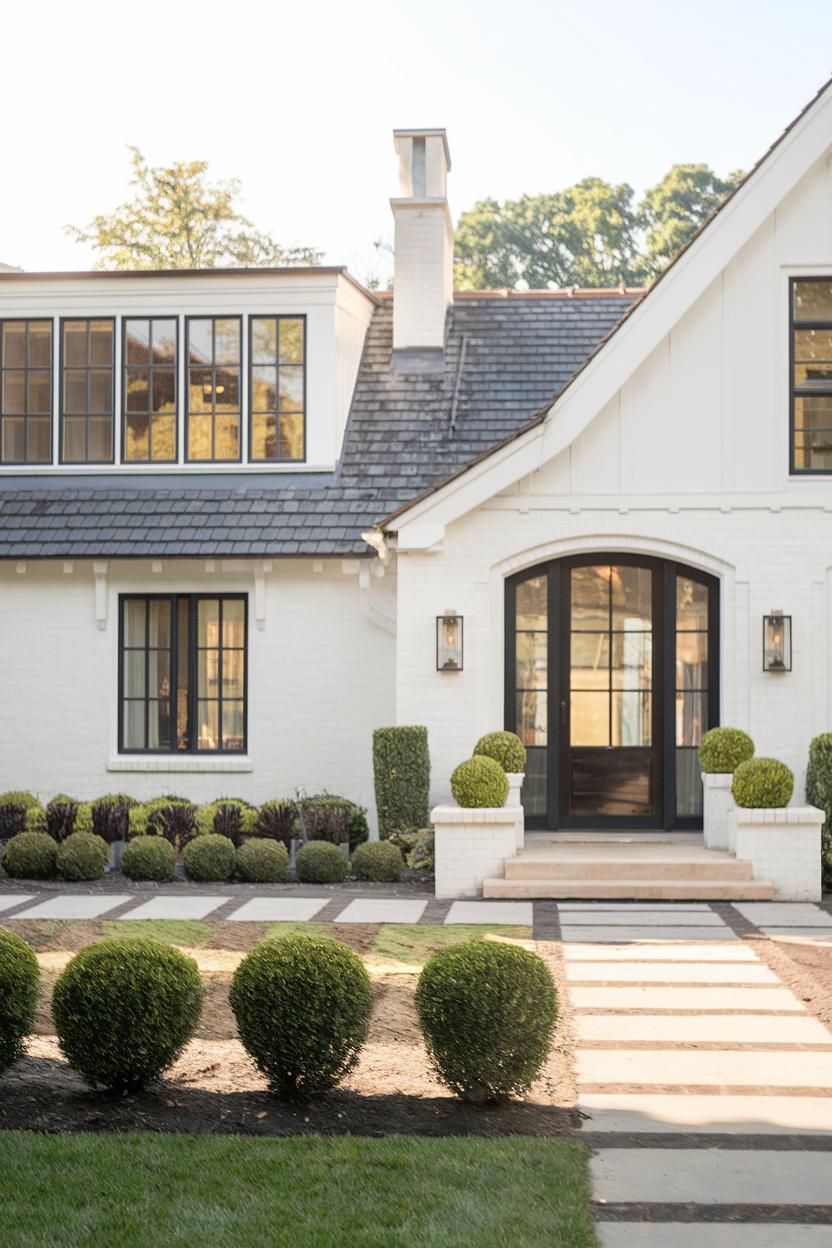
<point x="611" y="679"/>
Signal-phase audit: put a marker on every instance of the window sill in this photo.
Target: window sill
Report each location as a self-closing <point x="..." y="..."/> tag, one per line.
<point x="180" y="762"/>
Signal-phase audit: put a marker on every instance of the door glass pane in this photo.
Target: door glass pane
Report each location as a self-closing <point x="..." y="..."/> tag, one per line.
<point x="208" y="626"/>
<point x="134" y="616"/>
<point x="532" y="669"/>
<point x="813" y="301"/>
<point x="632" y="593"/>
<point x="590" y="592"/>
<point x="534" y="785"/>
<point x="532" y="611"/>
<point x="590" y="661"/>
<point x="531" y="718"/>
<point x="691" y="604"/>
<point x="632" y="660"/>
<point x="691" y="660"/>
<point x="688" y="783"/>
<point x="691" y="677"/>
<point x="233" y="622"/>
<point x="159" y="623"/>
<point x="631" y="718"/>
<point x="589" y="719"/>
<point x="691" y="717"/>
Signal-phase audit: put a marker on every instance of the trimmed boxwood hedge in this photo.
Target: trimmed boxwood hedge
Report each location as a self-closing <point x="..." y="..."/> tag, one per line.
<point x="479" y="782"/>
<point x="148" y="858"/>
<point x="302" y="1005"/>
<point x="209" y="859"/>
<point x="321" y="862"/>
<point x="819" y="793"/>
<point x="378" y="861"/>
<point x="762" y="782"/>
<point x="124" y="1009"/>
<point x="723" y="749"/>
<point x="487" y="1012"/>
<point x="30" y="856"/>
<point x="14" y="807"/>
<point x="19" y="977"/>
<point x="401" y="770"/>
<point x="82" y="856"/>
<point x="262" y="862"/>
<point x="505" y="748"/>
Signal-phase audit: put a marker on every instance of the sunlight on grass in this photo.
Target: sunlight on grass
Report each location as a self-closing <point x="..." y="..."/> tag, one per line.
<point x="412" y="944"/>
<point x="188" y="932"/>
<point x="292" y="928"/>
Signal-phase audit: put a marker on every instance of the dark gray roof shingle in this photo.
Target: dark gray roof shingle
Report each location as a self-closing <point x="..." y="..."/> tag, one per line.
<point x="505" y="359"/>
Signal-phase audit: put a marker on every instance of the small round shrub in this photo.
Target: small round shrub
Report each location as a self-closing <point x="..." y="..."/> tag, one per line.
<point x="82" y="856"/>
<point x="209" y="859"/>
<point x="379" y="861"/>
<point x="263" y="862"/>
<point x="19" y="975"/>
<point x="30" y="856"/>
<point x="480" y="782"/>
<point x="505" y="748"/>
<point x="302" y="1004"/>
<point x="124" y="1009"/>
<point x="762" y="782"/>
<point x="321" y="862"/>
<point x="148" y="858"/>
<point x="723" y="749"/>
<point x="487" y="1012"/>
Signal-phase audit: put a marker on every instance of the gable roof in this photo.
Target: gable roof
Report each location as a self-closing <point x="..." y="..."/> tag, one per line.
<point x="804" y="141"/>
<point x="506" y="355"/>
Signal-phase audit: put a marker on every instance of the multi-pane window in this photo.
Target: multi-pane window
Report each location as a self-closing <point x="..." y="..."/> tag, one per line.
<point x="531" y="682"/>
<point x="811" y="382"/>
<point x="214" y="354"/>
<point x="87" y="366"/>
<point x="692" y="683"/>
<point x="149" y="390"/>
<point x="182" y="674"/>
<point x="277" y="388"/>
<point x="25" y="392"/>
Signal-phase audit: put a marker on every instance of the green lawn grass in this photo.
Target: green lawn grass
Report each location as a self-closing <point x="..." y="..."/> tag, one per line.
<point x="166" y="1191"/>
<point x="414" y="943"/>
<point x="188" y="932"/>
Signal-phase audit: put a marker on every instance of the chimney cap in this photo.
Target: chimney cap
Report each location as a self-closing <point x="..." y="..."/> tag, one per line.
<point x="424" y="132"/>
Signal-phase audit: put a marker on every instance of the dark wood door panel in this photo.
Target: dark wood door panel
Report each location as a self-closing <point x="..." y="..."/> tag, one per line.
<point x="611" y="784"/>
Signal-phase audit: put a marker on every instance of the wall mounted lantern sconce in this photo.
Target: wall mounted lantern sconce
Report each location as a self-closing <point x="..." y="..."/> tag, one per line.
<point x="449" y="642"/>
<point x="777" y="642"/>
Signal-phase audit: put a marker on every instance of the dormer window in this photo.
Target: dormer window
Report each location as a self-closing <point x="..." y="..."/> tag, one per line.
<point x="87" y="366"/>
<point x="214" y="354"/>
<point x="811" y="381"/>
<point x="277" y="388"/>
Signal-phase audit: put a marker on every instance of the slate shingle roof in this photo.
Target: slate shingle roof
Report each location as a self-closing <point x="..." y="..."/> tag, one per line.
<point x="505" y="359"/>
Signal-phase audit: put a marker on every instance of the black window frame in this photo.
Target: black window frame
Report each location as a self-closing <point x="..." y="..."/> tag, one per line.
<point x="175" y="599"/>
<point x="87" y="462"/>
<point x="27" y="321"/>
<point x="794" y="392"/>
<point x="186" y="364"/>
<point x="123" y="366"/>
<point x="278" y="317"/>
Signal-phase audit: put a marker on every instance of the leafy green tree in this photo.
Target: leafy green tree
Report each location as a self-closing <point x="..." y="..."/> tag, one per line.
<point x="673" y="210"/>
<point x="177" y="219"/>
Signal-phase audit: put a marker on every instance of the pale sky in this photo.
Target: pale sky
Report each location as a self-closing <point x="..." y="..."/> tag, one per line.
<point x="299" y="99"/>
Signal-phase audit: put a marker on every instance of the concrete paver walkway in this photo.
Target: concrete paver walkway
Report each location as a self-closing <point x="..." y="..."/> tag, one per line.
<point x="711" y="1049"/>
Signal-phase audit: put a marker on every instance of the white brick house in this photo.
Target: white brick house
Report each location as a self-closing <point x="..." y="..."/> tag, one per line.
<point x="229" y="603"/>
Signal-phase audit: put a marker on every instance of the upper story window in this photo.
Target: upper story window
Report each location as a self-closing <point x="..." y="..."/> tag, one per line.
<point x="25" y="392"/>
<point x="87" y="367"/>
<point x="149" y="390"/>
<point x="811" y="381"/>
<point x="214" y="354"/>
<point x="277" y="388"/>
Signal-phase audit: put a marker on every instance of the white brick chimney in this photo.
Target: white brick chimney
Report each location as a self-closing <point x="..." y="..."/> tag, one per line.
<point x="424" y="250"/>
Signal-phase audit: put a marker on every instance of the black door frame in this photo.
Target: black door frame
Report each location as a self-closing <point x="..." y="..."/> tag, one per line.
<point x="664" y="637"/>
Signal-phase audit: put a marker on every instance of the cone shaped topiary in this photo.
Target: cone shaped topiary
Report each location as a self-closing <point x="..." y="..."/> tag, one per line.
<point x="479" y="782"/>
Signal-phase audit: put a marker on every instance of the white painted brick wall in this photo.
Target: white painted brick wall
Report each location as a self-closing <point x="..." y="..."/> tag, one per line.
<point x="783" y="846"/>
<point x="471" y="846"/>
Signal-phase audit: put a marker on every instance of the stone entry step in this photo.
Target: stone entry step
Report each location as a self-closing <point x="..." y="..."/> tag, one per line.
<point x="622" y="865"/>
<point x="648" y="888"/>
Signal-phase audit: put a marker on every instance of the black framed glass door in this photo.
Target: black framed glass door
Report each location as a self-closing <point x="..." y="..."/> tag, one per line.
<point x="611" y="679"/>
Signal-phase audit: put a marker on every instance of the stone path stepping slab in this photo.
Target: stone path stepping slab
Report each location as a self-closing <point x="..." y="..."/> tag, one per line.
<point x="622" y="907"/>
<point x="670" y="973"/>
<point x="278" y="909"/>
<point x="597" y="934"/>
<point x="784" y="914"/>
<point x="658" y="952"/>
<point x="8" y="900"/>
<point x="175" y="908"/>
<point x="382" y="910"/>
<point x="710" y="1235"/>
<point x="731" y="1068"/>
<point x="704" y="1115"/>
<point x="647" y="918"/>
<point x="698" y="999"/>
<point x="711" y="1176"/>
<point x="819" y="935"/>
<point x="704" y="1029"/>
<point x="519" y="913"/>
<point x="76" y="906"/>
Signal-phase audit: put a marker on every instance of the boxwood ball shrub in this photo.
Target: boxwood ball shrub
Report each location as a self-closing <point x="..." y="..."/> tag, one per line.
<point x="302" y="1005"/>
<point x="124" y="1009"/>
<point x="481" y="782"/>
<point x="30" y="856"/>
<point x="148" y="858"/>
<point x="321" y="862"/>
<point x="723" y="749"/>
<point x="263" y="862"/>
<point x="82" y="856"/>
<point x="209" y="859"/>
<point x="401" y="771"/>
<point x="19" y="976"/>
<point x="762" y="782"/>
<point x="487" y="1012"/>
<point x="379" y="861"/>
<point x="505" y="748"/>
